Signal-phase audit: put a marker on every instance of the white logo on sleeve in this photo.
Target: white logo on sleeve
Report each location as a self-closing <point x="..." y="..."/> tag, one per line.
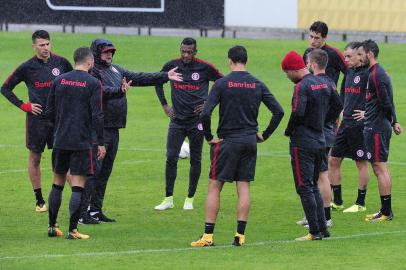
<point x="360" y="153"/>
<point x="56" y="72"/>
<point x="114" y="69"/>
<point x="369" y="155"/>
<point x="200" y="126"/>
<point x="357" y="79"/>
<point x="195" y="76"/>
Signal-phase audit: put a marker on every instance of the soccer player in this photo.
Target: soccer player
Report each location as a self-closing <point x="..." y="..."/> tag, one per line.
<point x="187" y="100"/>
<point x="380" y="119"/>
<point x="116" y="82"/>
<point x="315" y="101"/>
<point x="37" y="73"/>
<point x="73" y="125"/>
<point x="234" y="153"/>
<point x="349" y="141"/>
<point x="318" y="32"/>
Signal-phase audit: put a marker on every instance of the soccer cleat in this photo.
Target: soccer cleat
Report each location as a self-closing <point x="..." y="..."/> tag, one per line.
<point x="329" y="224"/>
<point x="379" y="217"/>
<point x="239" y="240"/>
<point x="188" y="205"/>
<point x="302" y="222"/>
<point x="309" y="237"/>
<point x="167" y="203"/>
<point x="337" y="207"/>
<point x="101" y="217"/>
<point x="88" y="220"/>
<point x="54" y="232"/>
<point x="205" y="241"/>
<point x="75" y="235"/>
<point x="41" y="208"/>
<point x="355" y="208"/>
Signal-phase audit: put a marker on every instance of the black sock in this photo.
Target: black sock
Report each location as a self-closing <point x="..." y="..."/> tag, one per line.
<point x="241" y="226"/>
<point x="337" y="194"/>
<point x="209" y="228"/>
<point x="386" y="205"/>
<point x="38" y="196"/>
<point x="327" y="213"/>
<point x="361" y="197"/>
<point x="54" y="200"/>
<point x="74" y="207"/>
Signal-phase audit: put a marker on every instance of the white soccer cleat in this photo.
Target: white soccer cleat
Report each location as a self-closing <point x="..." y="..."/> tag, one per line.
<point x="167" y="203"/>
<point x="302" y="222"/>
<point x="188" y="205"/>
<point x="184" y="151"/>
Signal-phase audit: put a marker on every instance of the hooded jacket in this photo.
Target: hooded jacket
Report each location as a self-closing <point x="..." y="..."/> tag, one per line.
<point x="111" y="76"/>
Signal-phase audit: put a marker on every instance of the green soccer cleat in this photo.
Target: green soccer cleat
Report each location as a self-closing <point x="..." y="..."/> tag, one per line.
<point x="188" y="205"/>
<point x="355" y="209"/>
<point x="337" y="207"/>
<point x="167" y="203"/>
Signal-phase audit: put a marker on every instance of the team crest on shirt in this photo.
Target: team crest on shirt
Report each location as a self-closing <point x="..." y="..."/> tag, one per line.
<point x="200" y="126"/>
<point x="56" y="72"/>
<point x="360" y="153"/>
<point x="114" y="69"/>
<point x="369" y="155"/>
<point x="357" y="79"/>
<point x="195" y="76"/>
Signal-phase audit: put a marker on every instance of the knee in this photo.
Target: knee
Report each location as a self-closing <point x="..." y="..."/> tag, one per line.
<point x="172" y="159"/>
<point x="35" y="159"/>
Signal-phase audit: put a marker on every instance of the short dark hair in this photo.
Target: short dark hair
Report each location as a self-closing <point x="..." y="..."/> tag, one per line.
<point x="370" y="46"/>
<point x="319" y="57"/>
<point x="353" y="45"/>
<point x="238" y="54"/>
<point x="189" y="41"/>
<point x="319" y="27"/>
<point x="40" y="34"/>
<point x="81" y="54"/>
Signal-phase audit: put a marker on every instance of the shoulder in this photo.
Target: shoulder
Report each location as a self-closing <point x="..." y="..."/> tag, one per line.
<point x="172" y="63"/>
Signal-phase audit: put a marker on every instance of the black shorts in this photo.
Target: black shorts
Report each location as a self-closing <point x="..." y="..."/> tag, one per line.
<point x="349" y="143"/>
<point x="324" y="160"/>
<point x="38" y="134"/>
<point x="233" y="161"/>
<point x="79" y="162"/>
<point x="377" y="144"/>
<point x="305" y="165"/>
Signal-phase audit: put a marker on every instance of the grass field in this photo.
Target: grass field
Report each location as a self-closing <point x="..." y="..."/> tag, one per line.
<point x="145" y="239"/>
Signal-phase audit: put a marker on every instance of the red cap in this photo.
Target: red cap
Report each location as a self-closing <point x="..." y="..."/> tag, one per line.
<point x="293" y="61"/>
<point x="108" y="49"/>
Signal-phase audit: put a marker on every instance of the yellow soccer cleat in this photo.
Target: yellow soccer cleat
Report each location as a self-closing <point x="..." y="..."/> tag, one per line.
<point x="239" y="240"/>
<point x="309" y="237"/>
<point x="379" y="217"/>
<point x="73" y="235"/>
<point x="337" y="207"/>
<point x="205" y="241"/>
<point x="355" y="209"/>
<point x="54" y="232"/>
<point x="41" y="208"/>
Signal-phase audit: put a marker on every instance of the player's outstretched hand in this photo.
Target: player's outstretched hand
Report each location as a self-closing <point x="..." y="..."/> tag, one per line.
<point x="358" y="115"/>
<point x="174" y="76"/>
<point x="199" y="109"/>
<point x="260" y="139"/>
<point x="101" y="152"/>
<point x="168" y="111"/>
<point x="397" y="128"/>
<point x="215" y="141"/>
<point x="125" y="86"/>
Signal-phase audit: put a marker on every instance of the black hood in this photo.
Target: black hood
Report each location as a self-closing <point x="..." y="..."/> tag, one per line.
<point x="98" y="46"/>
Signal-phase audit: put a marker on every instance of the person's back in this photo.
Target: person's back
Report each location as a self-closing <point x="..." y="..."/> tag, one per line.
<point x="311" y="103"/>
<point x="73" y="93"/>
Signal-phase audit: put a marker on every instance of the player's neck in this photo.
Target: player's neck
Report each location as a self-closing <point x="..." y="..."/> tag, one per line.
<point x="45" y="60"/>
<point x="238" y="67"/>
<point x="319" y="71"/>
<point x="81" y="68"/>
<point x="372" y="62"/>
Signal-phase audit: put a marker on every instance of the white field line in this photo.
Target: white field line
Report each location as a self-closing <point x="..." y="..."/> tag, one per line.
<point x="174" y="250"/>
